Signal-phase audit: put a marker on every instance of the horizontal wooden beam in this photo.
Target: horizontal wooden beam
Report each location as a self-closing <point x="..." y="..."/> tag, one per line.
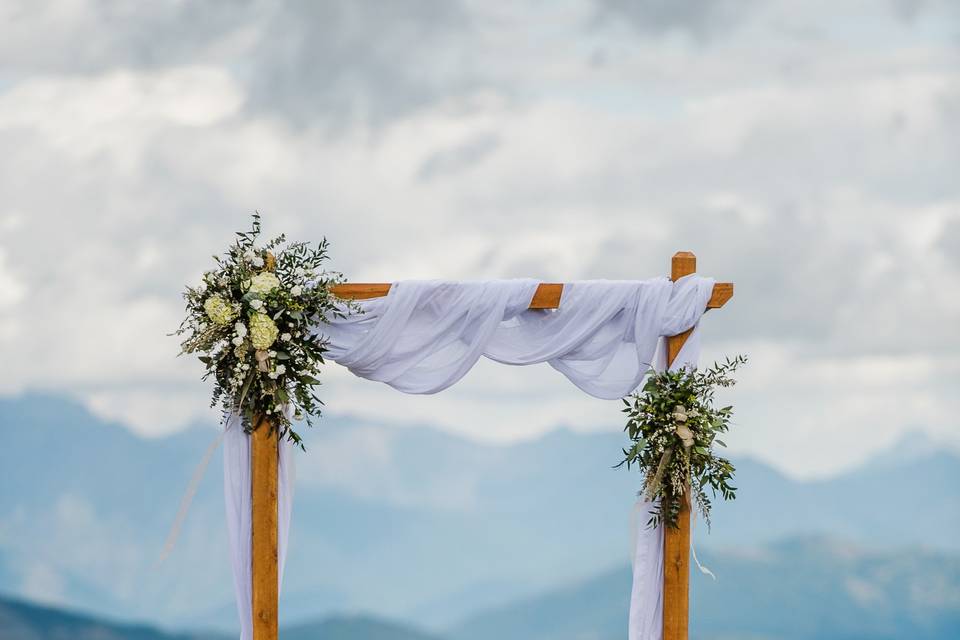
<point x="546" y="297"/>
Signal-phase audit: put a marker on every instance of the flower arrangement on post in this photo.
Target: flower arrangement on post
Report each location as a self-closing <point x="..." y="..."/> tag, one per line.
<point x="673" y="426"/>
<point x="250" y="319"/>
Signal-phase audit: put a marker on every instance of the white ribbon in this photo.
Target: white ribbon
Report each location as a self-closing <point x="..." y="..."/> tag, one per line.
<point x="635" y="528"/>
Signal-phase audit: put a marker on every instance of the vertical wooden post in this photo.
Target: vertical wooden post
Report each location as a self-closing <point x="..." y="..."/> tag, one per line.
<point x="264" y="452"/>
<point x="676" y="542"/>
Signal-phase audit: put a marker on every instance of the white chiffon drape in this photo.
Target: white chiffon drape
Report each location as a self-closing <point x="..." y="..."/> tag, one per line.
<point x="236" y="491"/>
<point x="424" y="336"/>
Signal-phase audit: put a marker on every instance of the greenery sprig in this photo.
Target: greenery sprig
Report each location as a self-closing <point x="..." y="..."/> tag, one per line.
<point x="673" y="425"/>
<point x="252" y="319"/>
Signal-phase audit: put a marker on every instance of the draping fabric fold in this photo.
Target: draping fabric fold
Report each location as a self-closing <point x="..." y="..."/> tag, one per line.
<point x="424" y="336"/>
<point x="236" y="491"/>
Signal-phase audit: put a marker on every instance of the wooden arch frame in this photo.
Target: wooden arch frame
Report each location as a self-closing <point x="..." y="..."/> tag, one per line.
<point x="264" y="483"/>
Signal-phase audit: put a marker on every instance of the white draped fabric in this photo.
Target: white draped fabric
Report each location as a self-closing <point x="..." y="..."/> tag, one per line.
<point x="424" y="336"/>
<point x="236" y="490"/>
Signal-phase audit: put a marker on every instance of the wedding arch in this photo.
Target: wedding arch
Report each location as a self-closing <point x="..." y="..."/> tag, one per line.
<point x="601" y="335"/>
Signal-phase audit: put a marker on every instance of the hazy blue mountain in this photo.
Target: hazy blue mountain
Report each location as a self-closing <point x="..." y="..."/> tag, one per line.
<point x="353" y="628"/>
<point x="405" y="522"/>
<point x="806" y="589"/>
<point x="25" y="621"/>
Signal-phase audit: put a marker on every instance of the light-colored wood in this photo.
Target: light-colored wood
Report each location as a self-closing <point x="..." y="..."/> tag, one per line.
<point x="546" y="297"/>
<point x="264" y="453"/>
<point x="676" y="541"/>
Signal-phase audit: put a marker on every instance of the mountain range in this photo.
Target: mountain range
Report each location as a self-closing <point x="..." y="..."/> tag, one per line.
<point x="403" y="522"/>
<point x="798" y="589"/>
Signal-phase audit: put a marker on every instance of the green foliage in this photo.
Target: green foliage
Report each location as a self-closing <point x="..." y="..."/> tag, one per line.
<point x="257" y="342"/>
<point x="673" y="425"/>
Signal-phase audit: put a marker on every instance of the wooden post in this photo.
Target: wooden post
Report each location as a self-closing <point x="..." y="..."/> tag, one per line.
<point x="676" y="542"/>
<point x="264" y="452"/>
<point x="263" y="479"/>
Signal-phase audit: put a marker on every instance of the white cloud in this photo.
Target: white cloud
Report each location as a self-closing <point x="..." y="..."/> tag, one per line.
<point x="812" y="163"/>
<point x="12" y="289"/>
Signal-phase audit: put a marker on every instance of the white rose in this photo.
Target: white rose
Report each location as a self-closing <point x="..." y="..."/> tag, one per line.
<point x="249" y="255"/>
<point x="256" y="304"/>
<point x="296" y="290"/>
<point x="241" y="330"/>
<point x="238" y="341"/>
<point x="257" y="261"/>
<point x="285" y="337"/>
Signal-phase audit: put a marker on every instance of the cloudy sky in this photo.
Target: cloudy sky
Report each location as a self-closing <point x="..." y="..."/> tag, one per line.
<point x="808" y="151"/>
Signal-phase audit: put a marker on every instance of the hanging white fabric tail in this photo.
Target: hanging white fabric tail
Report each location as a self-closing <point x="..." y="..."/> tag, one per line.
<point x="646" y="595"/>
<point x="236" y="488"/>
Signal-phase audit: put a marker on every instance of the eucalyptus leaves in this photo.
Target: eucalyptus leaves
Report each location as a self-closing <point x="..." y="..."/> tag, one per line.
<point x="251" y="319"/>
<point x="673" y="426"/>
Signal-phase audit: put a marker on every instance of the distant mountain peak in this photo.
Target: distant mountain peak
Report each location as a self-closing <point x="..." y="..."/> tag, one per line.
<point x="915" y="444"/>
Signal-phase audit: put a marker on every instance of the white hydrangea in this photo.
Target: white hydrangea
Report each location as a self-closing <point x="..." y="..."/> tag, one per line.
<point x="219" y="310"/>
<point x="264" y="282"/>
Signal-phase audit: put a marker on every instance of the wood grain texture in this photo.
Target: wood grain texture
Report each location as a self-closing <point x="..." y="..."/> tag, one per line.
<point x="264" y="453"/>
<point x="676" y="541"/>
<point x="546" y="297"/>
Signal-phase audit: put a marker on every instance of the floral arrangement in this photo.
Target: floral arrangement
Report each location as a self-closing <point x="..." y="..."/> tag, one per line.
<point x="673" y="426"/>
<point x="250" y="319"/>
